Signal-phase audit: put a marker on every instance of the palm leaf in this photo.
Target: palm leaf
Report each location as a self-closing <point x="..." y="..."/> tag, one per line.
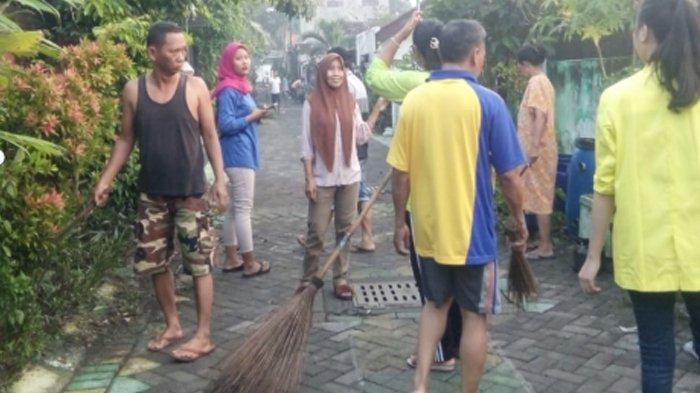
<point x="6" y="24"/>
<point x="21" y="43"/>
<point x="39" y="6"/>
<point x="24" y="142"/>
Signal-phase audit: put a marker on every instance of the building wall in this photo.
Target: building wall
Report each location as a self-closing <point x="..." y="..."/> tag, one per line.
<point x="578" y="85"/>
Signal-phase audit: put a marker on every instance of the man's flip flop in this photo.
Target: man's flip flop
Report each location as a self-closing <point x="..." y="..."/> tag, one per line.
<point x="196" y="355"/>
<point x="264" y="269"/>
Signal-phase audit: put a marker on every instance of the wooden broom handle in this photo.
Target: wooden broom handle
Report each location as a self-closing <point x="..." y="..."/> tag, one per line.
<point x="329" y="262"/>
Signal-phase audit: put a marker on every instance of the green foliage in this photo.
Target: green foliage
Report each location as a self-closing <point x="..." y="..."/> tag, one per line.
<point x="71" y="108"/>
<point x="26" y="43"/>
<point x="585" y="19"/>
<point x="328" y="34"/>
<point x="296" y="8"/>
<point x="507" y="22"/>
<point x="508" y="82"/>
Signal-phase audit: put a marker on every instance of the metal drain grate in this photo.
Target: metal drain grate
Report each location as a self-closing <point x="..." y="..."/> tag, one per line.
<point x="387" y="293"/>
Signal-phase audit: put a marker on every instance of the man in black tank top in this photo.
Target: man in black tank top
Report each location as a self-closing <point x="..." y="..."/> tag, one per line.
<point x="169" y="114"/>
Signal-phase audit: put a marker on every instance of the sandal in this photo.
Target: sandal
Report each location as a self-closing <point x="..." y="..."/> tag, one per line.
<point x="264" y="269"/>
<point x="196" y="355"/>
<point x="233" y="269"/>
<point x="343" y="292"/>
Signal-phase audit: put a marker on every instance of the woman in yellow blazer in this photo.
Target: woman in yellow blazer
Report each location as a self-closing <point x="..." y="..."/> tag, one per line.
<point x="648" y="180"/>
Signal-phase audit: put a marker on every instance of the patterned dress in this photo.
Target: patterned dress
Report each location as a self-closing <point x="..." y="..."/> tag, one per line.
<point x="541" y="177"/>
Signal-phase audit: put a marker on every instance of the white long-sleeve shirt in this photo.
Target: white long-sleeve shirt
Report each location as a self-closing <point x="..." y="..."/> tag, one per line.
<point x="341" y="174"/>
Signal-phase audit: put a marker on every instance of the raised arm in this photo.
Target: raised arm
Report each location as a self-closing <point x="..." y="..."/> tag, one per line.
<point x="391" y="84"/>
<point x="123" y="144"/>
<point x="388" y="50"/>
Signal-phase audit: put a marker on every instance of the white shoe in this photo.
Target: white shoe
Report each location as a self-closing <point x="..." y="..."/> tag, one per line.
<point x="690" y="350"/>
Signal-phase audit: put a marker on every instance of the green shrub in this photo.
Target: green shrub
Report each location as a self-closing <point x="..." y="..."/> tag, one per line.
<point x="44" y="275"/>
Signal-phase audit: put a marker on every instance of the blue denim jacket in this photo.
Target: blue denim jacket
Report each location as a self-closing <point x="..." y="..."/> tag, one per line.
<point x="238" y="138"/>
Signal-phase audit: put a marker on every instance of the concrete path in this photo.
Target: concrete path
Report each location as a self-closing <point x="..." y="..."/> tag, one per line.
<point x="567" y="342"/>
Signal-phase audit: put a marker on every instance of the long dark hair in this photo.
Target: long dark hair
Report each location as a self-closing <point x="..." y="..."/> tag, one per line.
<point x="676" y="27"/>
<point x="426" y="31"/>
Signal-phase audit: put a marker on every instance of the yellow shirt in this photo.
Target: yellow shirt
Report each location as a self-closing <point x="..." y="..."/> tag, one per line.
<point x="439" y="166"/>
<point x="648" y="158"/>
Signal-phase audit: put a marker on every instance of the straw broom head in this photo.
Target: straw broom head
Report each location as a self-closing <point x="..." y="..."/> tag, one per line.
<point x="522" y="285"/>
<point x="271" y="360"/>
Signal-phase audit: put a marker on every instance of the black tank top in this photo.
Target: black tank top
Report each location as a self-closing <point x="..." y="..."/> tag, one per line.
<point x="171" y="154"/>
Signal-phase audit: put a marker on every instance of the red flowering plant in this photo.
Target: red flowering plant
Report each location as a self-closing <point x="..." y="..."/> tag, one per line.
<point x="73" y="105"/>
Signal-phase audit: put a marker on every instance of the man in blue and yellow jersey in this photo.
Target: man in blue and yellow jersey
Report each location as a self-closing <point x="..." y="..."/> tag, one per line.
<point x="450" y="133"/>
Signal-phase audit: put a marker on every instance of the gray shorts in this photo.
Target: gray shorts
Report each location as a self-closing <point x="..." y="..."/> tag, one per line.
<point x="474" y="288"/>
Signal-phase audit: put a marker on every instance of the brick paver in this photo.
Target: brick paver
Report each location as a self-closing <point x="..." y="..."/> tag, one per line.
<point x="567" y="342"/>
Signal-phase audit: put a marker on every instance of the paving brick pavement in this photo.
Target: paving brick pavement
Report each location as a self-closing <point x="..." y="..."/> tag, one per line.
<point x="566" y="342"/>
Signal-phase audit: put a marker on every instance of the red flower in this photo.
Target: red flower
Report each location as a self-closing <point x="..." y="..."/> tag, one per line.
<point x="52" y="198"/>
<point x="21" y="84"/>
<point x="78" y="150"/>
<point x="75" y="114"/>
<point x="31" y="119"/>
<point x="48" y="125"/>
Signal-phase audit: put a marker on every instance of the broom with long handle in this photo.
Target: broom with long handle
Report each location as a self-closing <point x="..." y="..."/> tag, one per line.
<point x="271" y="359"/>
<point x="77" y="220"/>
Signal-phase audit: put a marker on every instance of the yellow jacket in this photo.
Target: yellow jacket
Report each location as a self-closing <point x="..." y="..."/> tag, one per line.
<point x="648" y="158"/>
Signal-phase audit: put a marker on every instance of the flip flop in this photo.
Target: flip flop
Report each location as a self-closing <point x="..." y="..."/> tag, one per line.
<point x="166" y="342"/>
<point x="233" y="269"/>
<point x="264" y="269"/>
<point x="443" y="367"/>
<point x="189" y="359"/>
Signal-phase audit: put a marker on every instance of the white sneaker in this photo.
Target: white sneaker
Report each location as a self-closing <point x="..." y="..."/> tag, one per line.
<point x="690" y="350"/>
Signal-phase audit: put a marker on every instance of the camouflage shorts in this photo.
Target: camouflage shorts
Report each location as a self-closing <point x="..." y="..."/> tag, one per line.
<point x="158" y="218"/>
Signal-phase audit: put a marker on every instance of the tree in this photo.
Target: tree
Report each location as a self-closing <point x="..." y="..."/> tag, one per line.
<point x="18" y="42"/>
<point x="296" y="8"/>
<point x="14" y="40"/>
<point x="507" y="22"/>
<point x="329" y="34"/>
<point x="586" y="19"/>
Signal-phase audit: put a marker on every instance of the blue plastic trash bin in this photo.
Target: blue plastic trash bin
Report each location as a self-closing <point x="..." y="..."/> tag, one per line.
<point x="580" y="181"/>
<point x="562" y="182"/>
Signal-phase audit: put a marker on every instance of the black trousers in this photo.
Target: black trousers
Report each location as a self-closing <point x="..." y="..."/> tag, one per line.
<point x="448" y="348"/>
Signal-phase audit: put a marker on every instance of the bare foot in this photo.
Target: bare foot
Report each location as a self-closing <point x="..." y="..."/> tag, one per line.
<point x="194" y="349"/>
<point x="165" y="339"/>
